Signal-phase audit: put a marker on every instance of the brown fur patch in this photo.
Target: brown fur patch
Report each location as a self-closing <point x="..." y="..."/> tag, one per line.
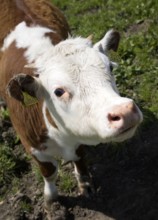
<point x="14" y="90"/>
<point x="10" y="16"/>
<point x="27" y="121"/>
<point x="54" y="37"/>
<point x="47" y="168"/>
<point x="50" y="119"/>
<point x="47" y="15"/>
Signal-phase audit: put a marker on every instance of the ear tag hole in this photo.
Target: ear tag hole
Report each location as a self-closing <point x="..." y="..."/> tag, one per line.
<point x="29" y="100"/>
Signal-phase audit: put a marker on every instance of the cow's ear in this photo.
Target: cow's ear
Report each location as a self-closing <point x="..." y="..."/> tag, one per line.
<point x="24" y="88"/>
<point x="109" y="42"/>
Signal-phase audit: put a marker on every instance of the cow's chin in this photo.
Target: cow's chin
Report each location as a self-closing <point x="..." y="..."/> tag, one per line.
<point x="115" y="137"/>
<point x="127" y="134"/>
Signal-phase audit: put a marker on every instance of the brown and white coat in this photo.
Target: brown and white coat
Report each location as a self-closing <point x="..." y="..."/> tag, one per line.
<point x="78" y="102"/>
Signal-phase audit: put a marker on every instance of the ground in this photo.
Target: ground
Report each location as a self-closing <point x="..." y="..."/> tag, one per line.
<point x="125" y="175"/>
<point x="125" y="179"/>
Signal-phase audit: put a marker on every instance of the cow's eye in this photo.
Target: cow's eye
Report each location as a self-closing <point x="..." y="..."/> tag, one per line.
<point x="59" y="92"/>
<point x="111" y="67"/>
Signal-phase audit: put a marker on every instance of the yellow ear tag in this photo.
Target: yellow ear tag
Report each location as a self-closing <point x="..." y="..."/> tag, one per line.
<point x="29" y="100"/>
<point x="114" y="56"/>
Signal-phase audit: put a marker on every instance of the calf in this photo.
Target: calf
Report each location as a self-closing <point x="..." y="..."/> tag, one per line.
<point x="73" y="99"/>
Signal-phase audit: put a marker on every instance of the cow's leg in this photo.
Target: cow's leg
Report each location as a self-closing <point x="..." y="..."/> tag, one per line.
<point x="48" y="167"/>
<point x="83" y="178"/>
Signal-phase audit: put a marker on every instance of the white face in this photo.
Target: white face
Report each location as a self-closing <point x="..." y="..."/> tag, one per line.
<point x="82" y="95"/>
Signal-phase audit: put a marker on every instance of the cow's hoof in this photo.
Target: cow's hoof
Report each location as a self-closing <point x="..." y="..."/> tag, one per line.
<point x="49" y="201"/>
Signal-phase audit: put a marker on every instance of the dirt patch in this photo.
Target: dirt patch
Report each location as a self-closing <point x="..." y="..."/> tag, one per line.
<point x="125" y="179"/>
<point x="141" y="26"/>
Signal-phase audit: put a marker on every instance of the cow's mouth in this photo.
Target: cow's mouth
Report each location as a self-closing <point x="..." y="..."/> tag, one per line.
<point x="127" y="132"/>
<point x="127" y="129"/>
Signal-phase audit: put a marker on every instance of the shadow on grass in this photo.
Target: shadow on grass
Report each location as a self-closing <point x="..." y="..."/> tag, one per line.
<point x="126" y="177"/>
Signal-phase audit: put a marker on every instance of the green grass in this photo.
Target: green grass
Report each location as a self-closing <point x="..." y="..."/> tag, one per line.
<point x="25" y="206"/>
<point x="4" y="113"/>
<point x="7" y="164"/>
<point x="12" y="167"/>
<point x="37" y="172"/>
<point x="66" y="181"/>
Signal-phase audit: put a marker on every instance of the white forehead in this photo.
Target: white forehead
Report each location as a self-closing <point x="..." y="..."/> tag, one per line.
<point x="81" y="64"/>
<point x="79" y="51"/>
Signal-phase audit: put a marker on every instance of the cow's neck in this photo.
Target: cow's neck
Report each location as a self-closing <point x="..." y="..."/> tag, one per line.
<point x="57" y="130"/>
<point x="59" y="142"/>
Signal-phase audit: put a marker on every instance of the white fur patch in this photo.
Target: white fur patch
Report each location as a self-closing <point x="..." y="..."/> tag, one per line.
<point x="33" y="38"/>
<point x="50" y="190"/>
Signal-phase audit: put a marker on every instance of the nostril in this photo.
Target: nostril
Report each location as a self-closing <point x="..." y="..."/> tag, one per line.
<point x="114" y="117"/>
